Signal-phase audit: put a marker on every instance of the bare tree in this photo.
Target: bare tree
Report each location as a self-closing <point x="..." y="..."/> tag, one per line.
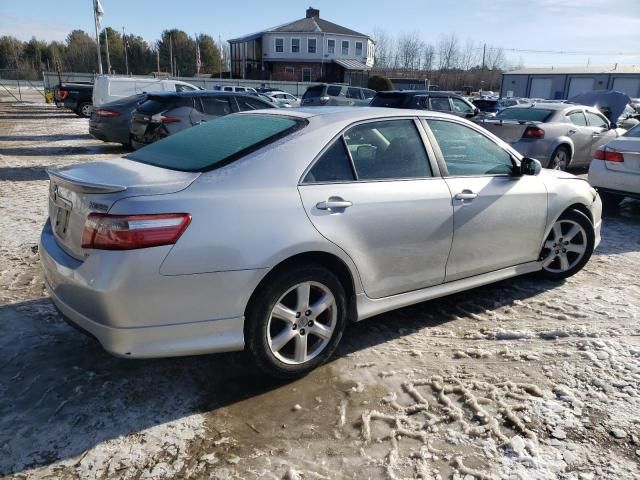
<point x="448" y="52"/>
<point x="428" y="57"/>
<point x="384" y="52"/>
<point x="469" y="56"/>
<point x="409" y="50"/>
<point x="495" y="59"/>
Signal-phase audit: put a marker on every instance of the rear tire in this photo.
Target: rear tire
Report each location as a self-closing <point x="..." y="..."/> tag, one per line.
<point x="568" y="246"/>
<point x="295" y="321"/>
<point x="560" y="158"/>
<point x="610" y="202"/>
<point x="84" y="110"/>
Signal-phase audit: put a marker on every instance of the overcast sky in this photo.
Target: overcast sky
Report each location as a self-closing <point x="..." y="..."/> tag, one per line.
<point x="602" y="32"/>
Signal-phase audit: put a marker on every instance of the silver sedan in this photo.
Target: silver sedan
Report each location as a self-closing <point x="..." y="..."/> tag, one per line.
<point x="271" y="230"/>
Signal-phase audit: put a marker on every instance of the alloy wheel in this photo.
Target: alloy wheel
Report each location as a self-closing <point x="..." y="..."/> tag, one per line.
<point x="302" y="323"/>
<point x="565" y="246"/>
<point x="86" y="110"/>
<point x="559" y="161"/>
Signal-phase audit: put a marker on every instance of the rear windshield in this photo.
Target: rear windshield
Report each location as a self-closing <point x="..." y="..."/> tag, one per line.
<point x="486" y="105"/>
<point x="216" y="143"/>
<point x="158" y="104"/>
<point x="391" y="100"/>
<point x="314" y="92"/>
<point x="634" y="132"/>
<point x="525" y="114"/>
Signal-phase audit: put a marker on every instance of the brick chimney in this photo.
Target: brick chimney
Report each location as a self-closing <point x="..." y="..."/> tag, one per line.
<point x="312" y="12"/>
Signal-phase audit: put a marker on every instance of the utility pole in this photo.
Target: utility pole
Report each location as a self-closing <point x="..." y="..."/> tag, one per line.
<point x="106" y="44"/>
<point x="484" y="54"/>
<point x="158" y="57"/>
<point x="221" y="55"/>
<point x="126" y="55"/>
<point x="97" y="13"/>
<point x="171" y="55"/>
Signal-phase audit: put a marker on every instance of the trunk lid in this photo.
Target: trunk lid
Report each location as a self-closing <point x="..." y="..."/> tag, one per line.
<point x="508" y="130"/>
<point x="630" y="149"/>
<point x="78" y="190"/>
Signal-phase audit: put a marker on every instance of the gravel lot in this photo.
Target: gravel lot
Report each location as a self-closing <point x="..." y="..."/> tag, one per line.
<point x="520" y="379"/>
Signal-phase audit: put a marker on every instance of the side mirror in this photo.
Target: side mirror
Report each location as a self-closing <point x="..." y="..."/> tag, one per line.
<point x="530" y="166"/>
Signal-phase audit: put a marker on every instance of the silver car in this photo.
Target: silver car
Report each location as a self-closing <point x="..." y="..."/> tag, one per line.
<point x="271" y="230"/>
<point x="558" y="135"/>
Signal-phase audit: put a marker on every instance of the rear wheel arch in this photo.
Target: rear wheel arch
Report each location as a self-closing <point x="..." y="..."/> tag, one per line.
<point x="327" y="260"/>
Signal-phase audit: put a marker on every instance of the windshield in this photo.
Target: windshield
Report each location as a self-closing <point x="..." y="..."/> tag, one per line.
<point x="486" y="105"/>
<point x="525" y="114"/>
<point x="216" y="143"/>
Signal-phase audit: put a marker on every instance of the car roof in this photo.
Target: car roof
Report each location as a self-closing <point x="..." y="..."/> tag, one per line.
<point x="197" y="93"/>
<point x="420" y="92"/>
<point x="353" y="113"/>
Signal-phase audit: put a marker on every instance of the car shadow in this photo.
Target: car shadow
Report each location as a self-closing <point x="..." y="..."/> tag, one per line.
<point x="63" y="394"/>
<point x="44" y="116"/>
<point x="24" y="174"/>
<point x="29" y="151"/>
<point x="44" y="138"/>
<point x="615" y="229"/>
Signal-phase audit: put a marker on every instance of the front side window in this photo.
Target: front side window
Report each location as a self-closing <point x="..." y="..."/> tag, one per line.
<point x="306" y="74"/>
<point x="345" y="47"/>
<point x="390" y="149"/>
<point x="358" y="49"/>
<point x="440" y="104"/>
<point x="460" y="105"/>
<point x="295" y="45"/>
<point x="468" y="152"/>
<point x="333" y="166"/>
<point x="279" y="45"/>
<point x="311" y="45"/>
<point x="577" y="118"/>
<point x="248" y="103"/>
<point x="596" y="120"/>
<point x="331" y="46"/>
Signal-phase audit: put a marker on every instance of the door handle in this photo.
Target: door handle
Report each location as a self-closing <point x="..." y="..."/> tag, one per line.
<point x="465" y="195"/>
<point x="595" y="134"/>
<point x="572" y="131"/>
<point x="333" y="203"/>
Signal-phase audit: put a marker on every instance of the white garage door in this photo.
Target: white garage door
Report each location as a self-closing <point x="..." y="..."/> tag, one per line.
<point x="540" y="88"/>
<point x="630" y="86"/>
<point x="580" y="85"/>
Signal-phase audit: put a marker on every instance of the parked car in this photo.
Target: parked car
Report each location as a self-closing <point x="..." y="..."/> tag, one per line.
<point x="75" y="96"/>
<point x="335" y="94"/>
<point x="425" y="100"/>
<point x="274" y="101"/>
<point x="629" y="118"/>
<point x="559" y="135"/>
<point x="260" y="231"/>
<point x="109" y="88"/>
<point x="164" y="114"/>
<point x="285" y="98"/>
<point x="234" y="89"/>
<point x="615" y="169"/>
<point x="111" y="122"/>
<point x="490" y="107"/>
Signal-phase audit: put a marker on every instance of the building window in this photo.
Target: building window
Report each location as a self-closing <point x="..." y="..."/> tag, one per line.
<point x="306" y="74"/>
<point x="331" y="46"/>
<point x="345" y="47"/>
<point x="311" y="45"/>
<point x="279" y="45"/>
<point x="358" y="49"/>
<point x="289" y="70"/>
<point x="295" y="45"/>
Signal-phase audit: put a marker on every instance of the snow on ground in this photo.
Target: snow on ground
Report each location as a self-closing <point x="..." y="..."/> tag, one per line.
<point x="520" y="379"/>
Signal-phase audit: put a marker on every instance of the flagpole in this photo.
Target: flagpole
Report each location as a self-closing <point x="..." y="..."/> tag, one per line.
<point x="95" y="22"/>
<point x="126" y="55"/>
<point x="221" y="56"/>
<point x="106" y="44"/>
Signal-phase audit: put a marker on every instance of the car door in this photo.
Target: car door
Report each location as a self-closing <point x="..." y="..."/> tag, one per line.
<point x="602" y="133"/>
<point x="374" y="192"/>
<point x="440" y="104"/>
<point x="499" y="219"/>
<point x="581" y="135"/>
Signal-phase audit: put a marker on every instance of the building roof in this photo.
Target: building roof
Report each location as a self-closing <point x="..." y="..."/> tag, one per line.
<point x="352" y="64"/>
<point x="312" y="23"/>
<point x="576" y="70"/>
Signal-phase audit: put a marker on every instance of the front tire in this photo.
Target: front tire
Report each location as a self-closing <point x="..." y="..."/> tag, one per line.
<point x="84" y="110"/>
<point x="560" y="158"/>
<point x="295" y="321"/>
<point x="568" y="246"/>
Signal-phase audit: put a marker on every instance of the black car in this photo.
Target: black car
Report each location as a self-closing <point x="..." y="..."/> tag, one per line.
<point x="425" y="100"/>
<point x="111" y="122"/>
<point x="76" y="96"/>
<point x="164" y="114"/>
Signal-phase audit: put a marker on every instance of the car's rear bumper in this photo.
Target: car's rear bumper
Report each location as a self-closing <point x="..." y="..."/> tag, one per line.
<point x="614" y="181"/>
<point x="134" y="311"/>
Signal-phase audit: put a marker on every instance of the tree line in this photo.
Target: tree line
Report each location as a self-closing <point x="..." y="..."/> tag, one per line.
<point x="448" y="63"/>
<point x="175" y="53"/>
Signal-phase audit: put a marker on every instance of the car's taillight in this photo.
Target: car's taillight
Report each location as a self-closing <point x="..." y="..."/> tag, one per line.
<point x="159" y="118"/>
<point x="102" y="112"/>
<point x="62" y="94"/>
<point x="324" y="100"/>
<point x="608" y="155"/>
<point x="128" y="232"/>
<point x="533" y="132"/>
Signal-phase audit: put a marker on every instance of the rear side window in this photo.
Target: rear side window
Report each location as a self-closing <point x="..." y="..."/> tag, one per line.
<point x="353" y="93"/>
<point x="577" y="118"/>
<point x="334" y="90"/>
<point x="158" y="104"/>
<point x="389" y="100"/>
<point x="333" y="166"/>
<point x="440" y="104"/>
<point x="314" y="92"/>
<point x="216" y="143"/>
<point x="248" y="103"/>
<point x="596" y="120"/>
<point x="368" y="93"/>
<point x="216" y="106"/>
<point x="634" y="132"/>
